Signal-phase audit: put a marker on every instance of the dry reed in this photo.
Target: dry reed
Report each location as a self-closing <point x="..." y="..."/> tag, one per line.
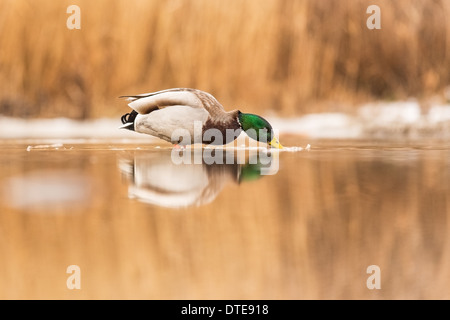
<point x="290" y="57"/>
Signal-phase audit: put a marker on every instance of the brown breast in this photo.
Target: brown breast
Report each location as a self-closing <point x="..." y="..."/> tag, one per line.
<point x="226" y="123"/>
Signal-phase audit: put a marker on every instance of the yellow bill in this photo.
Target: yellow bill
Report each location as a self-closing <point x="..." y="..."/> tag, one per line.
<point x="275" y="143"/>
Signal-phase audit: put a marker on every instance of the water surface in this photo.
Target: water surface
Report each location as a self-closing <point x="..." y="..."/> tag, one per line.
<point x="140" y="226"/>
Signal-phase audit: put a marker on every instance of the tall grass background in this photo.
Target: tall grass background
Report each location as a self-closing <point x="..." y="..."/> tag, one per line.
<point x="288" y="57"/>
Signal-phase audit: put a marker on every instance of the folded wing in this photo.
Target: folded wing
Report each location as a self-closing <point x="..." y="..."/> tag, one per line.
<point x="148" y="102"/>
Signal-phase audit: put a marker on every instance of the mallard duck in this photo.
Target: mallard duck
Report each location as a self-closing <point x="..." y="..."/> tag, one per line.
<point x="161" y="113"/>
<point x="153" y="178"/>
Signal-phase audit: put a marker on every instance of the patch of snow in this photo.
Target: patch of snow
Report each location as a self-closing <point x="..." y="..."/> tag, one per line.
<point x="375" y="120"/>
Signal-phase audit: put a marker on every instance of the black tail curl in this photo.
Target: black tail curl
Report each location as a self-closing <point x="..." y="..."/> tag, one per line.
<point x="129" y="118"/>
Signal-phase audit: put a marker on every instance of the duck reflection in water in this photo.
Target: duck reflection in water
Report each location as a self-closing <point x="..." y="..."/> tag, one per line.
<point x="155" y="178"/>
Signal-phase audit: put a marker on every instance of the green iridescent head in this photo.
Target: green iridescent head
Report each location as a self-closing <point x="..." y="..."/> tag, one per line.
<point x="258" y="129"/>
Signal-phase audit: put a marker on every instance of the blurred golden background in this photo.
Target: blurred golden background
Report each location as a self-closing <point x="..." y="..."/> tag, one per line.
<point x="290" y="57"/>
<point x="308" y="232"/>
